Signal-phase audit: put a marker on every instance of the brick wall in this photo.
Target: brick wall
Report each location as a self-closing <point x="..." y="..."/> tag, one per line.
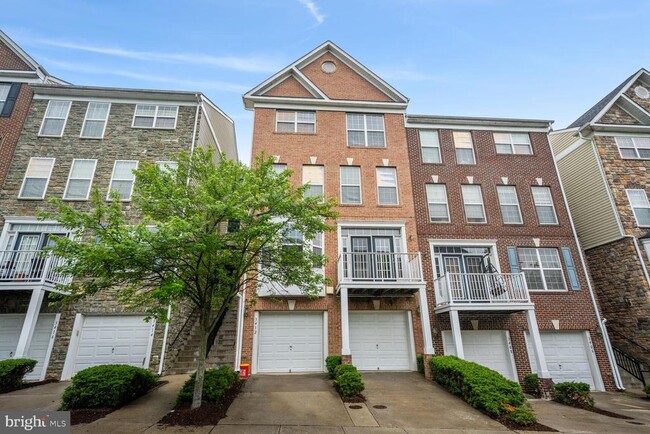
<point x="9" y="60"/>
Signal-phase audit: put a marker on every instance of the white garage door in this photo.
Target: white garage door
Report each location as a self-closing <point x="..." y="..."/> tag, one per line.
<point x="123" y="340"/>
<point x="567" y="356"/>
<point x="380" y="341"/>
<point x="290" y="342"/>
<point x="10" y="327"/>
<point x="486" y="347"/>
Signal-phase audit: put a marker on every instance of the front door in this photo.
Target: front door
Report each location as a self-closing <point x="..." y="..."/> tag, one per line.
<point x="475" y="283"/>
<point x="453" y="270"/>
<point x="384" y="258"/>
<point x="361" y="257"/>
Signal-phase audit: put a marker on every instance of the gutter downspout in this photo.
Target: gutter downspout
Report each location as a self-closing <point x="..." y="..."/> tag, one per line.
<point x="169" y="307"/>
<point x="618" y="382"/>
<point x="240" y="327"/>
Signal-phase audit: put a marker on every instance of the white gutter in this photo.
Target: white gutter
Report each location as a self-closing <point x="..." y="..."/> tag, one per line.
<point x="601" y="322"/>
<point x="240" y="327"/>
<point x="169" y="307"/>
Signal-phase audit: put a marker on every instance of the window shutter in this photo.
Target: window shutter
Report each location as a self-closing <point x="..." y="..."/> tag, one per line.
<point x="514" y="260"/>
<point x="11" y="100"/>
<point x="571" y="268"/>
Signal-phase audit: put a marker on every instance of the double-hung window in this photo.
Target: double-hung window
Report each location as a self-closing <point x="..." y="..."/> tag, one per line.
<point x="509" y="203"/>
<point x="295" y="121"/>
<point x="542" y="268"/>
<point x="473" y="204"/>
<point x="37" y="177"/>
<point x="4" y="95"/>
<point x="513" y="143"/>
<point x="544" y="206"/>
<point x="279" y="168"/>
<point x="640" y="206"/>
<point x="387" y="186"/>
<point x="122" y="179"/>
<point x="430" y="146"/>
<point x="437" y="201"/>
<point x="55" y="118"/>
<point x="155" y="116"/>
<point x="366" y="130"/>
<point x="464" y="147"/>
<point x="633" y="147"/>
<point x="315" y="176"/>
<point x="350" y="185"/>
<point x="80" y="179"/>
<point x="95" y="121"/>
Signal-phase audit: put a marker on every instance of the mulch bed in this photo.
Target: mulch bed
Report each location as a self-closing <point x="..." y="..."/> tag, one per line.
<point x="516" y="427"/>
<point x="353" y="399"/>
<point x="88" y="415"/>
<point x="209" y="413"/>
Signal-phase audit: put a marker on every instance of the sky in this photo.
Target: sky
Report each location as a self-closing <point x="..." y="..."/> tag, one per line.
<point x="549" y="59"/>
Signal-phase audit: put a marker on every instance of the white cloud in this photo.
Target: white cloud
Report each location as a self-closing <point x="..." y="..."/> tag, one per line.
<point x="238" y="63"/>
<point x="314" y="10"/>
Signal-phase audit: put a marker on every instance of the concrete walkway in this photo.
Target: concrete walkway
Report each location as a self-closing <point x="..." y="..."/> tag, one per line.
<point x="46" y="397"/>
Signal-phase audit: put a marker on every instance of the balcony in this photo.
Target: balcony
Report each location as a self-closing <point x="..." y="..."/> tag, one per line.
<point x="374" y="274"/>
<point x="482" y="292"/>
<point x="25" y="269"/>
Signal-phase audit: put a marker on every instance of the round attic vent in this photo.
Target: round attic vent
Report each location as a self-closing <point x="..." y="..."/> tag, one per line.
<point x="642" y="92"/>
<point x="328" y="67"/>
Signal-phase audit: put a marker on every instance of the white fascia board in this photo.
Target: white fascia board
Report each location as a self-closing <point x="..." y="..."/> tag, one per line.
<point x="634" y="106"/>
<point x="575" y="145"/>
<point x="617" y="96"/>
<point x="207" y="101"/>
<point x="115" y="100"/>
<point x="333" y="105"/>
<point x="619" y="130"/>
<point x="308" y="84"/>
<point x="466" y="127"/>
<point x="562" y="131"/>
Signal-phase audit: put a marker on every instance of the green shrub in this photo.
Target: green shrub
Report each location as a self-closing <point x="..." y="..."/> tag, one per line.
<point x="332" y="362"/>
<point x="107" y="386"/>
<point x="420" y="361"/>
<point x="215" y="384"/>
<point x="573" y="393"/>
<point x="12" y="372"/>
<point x="531" y="384"/>
<point x="523" y="415"/>
<point x="646" y="389"/>
<point x="479" y="386"/>
<point x="346" y="367"/>
<point x="350" y="383"/>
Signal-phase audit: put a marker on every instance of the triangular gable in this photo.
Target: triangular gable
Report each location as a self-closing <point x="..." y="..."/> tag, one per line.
<point x="290" y="87"/>
<point x="618" y="116"/>
<point x="382" y="91"/>
<point x="12" y="57"/>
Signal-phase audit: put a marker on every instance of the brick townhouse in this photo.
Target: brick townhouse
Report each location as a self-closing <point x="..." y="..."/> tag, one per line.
<point x="341" y="128"/>
<point x="604" y="162"/>
<point x="18" y="70"/>
<point x="76" y="138"/>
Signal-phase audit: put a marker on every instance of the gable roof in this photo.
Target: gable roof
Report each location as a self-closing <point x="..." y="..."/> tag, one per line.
<point x="294" y="70"/>
<point x="601" y="106"/>
<point x="40" y="71"/>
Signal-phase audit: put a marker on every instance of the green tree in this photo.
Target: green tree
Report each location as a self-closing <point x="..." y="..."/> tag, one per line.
<point x="172" y="245"/>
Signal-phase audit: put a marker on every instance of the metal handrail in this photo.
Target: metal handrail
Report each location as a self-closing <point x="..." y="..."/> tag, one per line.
<point x="379" y="267"/>
<point x="489" y="288"/>
<point x="31" y="266"/>
<point x="629" y="363"/>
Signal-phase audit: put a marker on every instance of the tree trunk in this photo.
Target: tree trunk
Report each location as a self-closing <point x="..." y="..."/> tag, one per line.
<point x="215" y="331"/>
<point x="204" y="320"/>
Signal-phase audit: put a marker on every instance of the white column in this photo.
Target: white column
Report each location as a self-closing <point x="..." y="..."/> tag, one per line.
<point x="455" y="332"/>
<point x="30" y="323"/>
<point x="345" y="326"/>
<point x="540" y="359"/>
<point x="424" y="319"/>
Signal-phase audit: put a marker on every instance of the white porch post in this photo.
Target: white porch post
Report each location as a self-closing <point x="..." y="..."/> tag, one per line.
<point x="345" y="326"/>
<point x="540" y="359"/>
<point x="424" y="319"/>
<point x="455" y="332"/>
<point x="30" y="323"/>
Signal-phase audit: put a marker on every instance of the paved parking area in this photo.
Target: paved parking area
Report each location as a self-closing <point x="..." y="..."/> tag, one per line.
<point x="46" y="397"/>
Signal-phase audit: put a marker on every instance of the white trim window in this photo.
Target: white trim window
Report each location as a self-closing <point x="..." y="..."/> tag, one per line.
<point x="279" y="167"/>
<point x="640" y="206"/>
<point x="437" y="203"/>
<point x="464" y="147"/>
<point x="542" y="268"/>
<point x="315" y="176"/>
<point x="4" y="94"/>
<point x="351" y="185"/>
<point x="544" y="205"/>
<point x="633" y="147"/>
<point x="167" y="166"/>
<point x="513" y="143"/>
<point x="123" y="179"/>
<point x="155" y="116"/>
<point x="430" y="146"/>
<point x="473" y="204"/>
<point x="387" y="186"/>
<point x="80" y="179"/>
<point x="295" y="121"/>
<point x="56" y="116"/>
<point x="37" y="178"/>
<point x="366" y="130"/>
<point x="509" y="204"/>
<point x="95" y="120"/>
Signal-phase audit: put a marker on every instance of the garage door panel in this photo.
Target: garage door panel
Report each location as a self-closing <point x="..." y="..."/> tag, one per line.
<point x="486" y="347"/>
<point x="380" y="341"/>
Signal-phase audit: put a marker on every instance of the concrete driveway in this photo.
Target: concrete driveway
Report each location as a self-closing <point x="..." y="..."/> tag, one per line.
<point x="46" y="397"/>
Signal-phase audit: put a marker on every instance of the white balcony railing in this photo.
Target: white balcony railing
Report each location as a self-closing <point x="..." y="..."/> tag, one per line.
<point x="30" y="266"/>
<point x="380" y="267"/>
<point x="481" y="288"/>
